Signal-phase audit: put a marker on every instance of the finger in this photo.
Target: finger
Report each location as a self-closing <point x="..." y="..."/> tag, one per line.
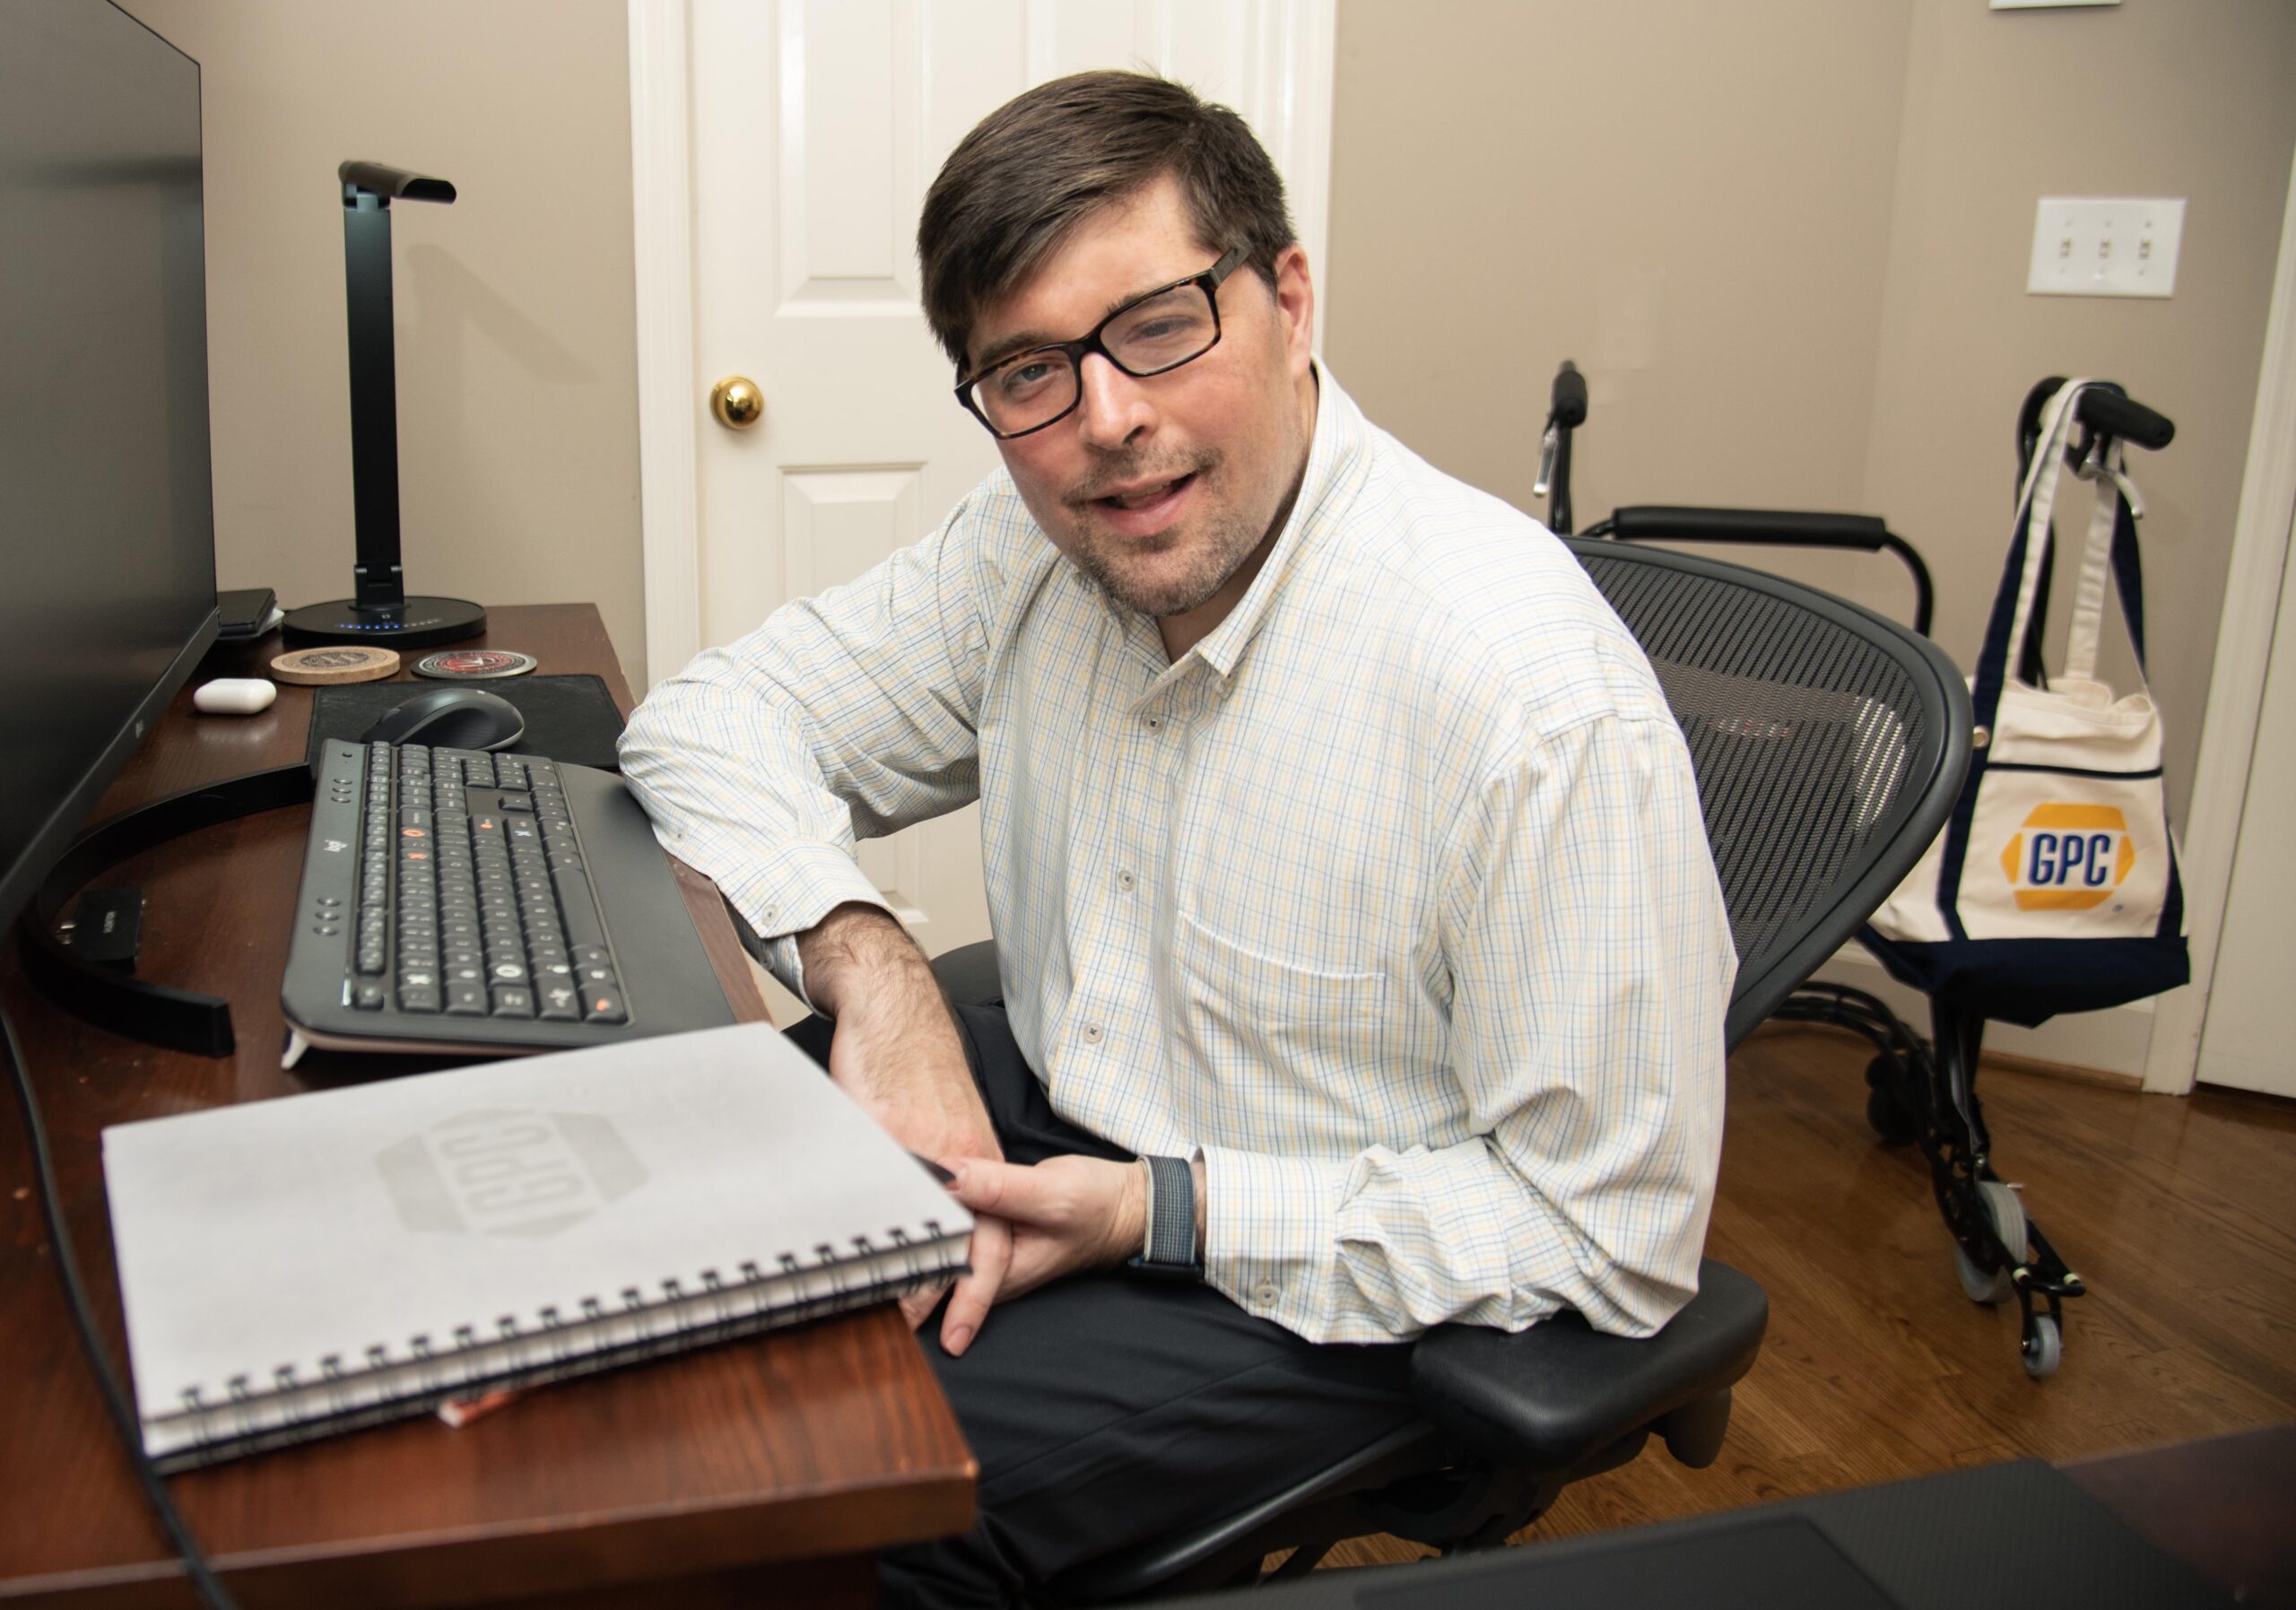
<point x="1012" y="1190"/>
<point x="969" y="1303"/>
<point x="918" y="1306"/>
<point x="1035" y="1259"/>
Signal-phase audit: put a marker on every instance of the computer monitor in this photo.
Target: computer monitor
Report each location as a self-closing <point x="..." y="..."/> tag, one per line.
<point x="107" y="521"/>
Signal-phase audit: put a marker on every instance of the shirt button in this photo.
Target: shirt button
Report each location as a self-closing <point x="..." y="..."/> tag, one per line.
<point x="1153" y="722"/>
<point x="1125" y="882"/>
<point x="1091" y="1033"/>
<point x="1266" y="1292"/>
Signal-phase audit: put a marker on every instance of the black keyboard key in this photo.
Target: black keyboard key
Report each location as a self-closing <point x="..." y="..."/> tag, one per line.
<point x="508" y="971"/>
<point x="513" y="1000"/>
<point x="467" y="1000"/>
<point x="604" y="1006"/>
<point x="560" y="1004"/>
<point x="596" y="974"/>
<point x="368" y="998"/>
<point x="421" y="998"/>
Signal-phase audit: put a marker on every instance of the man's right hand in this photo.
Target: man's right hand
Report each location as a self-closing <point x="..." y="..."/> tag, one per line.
<point x="897" y="1053"/>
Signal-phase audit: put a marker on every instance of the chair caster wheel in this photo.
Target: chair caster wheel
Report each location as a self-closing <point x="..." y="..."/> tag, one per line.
<point x="2044" y="1350"/>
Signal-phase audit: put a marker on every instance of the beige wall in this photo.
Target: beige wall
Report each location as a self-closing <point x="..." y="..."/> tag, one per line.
<point x="516" y="352"/>
<point x="1786" y="240"/>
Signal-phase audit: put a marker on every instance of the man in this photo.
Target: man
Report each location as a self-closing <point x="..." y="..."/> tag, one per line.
<point x="1344" y="860"/>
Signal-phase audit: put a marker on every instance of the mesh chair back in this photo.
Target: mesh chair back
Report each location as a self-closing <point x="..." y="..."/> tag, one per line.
<point x="1830" y="745"/>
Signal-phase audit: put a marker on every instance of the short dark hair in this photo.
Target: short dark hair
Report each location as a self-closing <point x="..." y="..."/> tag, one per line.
<point x="1044" y="161"/>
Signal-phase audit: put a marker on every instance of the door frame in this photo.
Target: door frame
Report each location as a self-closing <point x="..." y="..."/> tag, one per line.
<point x="2244" y="634"/>
<point x="1291" y="105"/>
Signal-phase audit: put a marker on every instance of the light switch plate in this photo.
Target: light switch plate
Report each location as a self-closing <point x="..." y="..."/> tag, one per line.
<point x="2108" y="246"/>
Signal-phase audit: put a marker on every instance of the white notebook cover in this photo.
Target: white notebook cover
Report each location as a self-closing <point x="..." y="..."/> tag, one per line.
<point x="285" y="1233"/>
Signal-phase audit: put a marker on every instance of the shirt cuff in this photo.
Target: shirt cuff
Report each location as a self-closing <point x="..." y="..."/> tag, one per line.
<point x="789" y="893"/>
<point x="1271" y="1233"/>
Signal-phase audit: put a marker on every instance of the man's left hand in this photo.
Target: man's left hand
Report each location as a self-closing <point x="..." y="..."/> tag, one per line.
<point x="1067" y="1215"/>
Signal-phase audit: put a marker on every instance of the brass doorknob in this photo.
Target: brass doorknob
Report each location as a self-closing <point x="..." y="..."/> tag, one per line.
<point x="737" y="402"/>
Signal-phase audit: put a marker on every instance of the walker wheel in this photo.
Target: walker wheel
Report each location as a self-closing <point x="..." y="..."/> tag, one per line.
<point x="2044" y="1350"/>
<point x="2008" y="1216"/>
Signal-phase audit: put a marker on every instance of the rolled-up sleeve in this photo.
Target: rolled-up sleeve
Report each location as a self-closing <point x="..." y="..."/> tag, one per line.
<point x="1591" y="963"/>
<point x="844" y="716"/>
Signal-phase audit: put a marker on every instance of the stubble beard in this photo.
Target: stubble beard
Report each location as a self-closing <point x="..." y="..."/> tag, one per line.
<point x="1223" y="541"/>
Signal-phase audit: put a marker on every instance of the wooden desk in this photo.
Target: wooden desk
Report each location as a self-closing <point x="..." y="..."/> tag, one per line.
<point x="761" y="1471"/>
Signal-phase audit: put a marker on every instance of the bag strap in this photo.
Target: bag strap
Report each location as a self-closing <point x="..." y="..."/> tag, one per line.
<point x="2112" y="545"/>
<point x="2014" y="600"/>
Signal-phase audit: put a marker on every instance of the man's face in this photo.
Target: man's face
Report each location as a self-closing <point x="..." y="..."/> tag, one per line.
<point x="1165" y="488"/>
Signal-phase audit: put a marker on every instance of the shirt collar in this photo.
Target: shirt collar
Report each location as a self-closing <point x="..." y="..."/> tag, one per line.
<point x="1334" y="453"/>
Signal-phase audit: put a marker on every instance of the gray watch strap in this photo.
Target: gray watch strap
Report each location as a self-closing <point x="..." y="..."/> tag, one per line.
<point x="1171" y="1222"/>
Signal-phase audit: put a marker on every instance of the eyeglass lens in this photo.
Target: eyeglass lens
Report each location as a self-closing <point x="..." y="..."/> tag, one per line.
<point x="1147" y="338"/>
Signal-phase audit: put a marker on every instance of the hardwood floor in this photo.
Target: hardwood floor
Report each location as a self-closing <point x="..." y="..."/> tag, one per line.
<point x="2179" y="1213"/>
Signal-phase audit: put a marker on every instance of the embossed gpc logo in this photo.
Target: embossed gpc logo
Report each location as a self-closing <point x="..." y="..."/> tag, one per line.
<point x="495" y="1172"/>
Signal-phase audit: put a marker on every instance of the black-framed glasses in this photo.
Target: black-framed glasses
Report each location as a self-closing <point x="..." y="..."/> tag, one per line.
<point x="1152" y="334"/>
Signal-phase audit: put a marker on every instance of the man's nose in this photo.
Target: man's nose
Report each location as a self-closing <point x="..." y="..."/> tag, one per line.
<point x="1113" y="407"/>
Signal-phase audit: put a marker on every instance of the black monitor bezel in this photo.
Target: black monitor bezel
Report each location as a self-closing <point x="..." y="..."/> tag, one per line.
<point x="73" y="813"/>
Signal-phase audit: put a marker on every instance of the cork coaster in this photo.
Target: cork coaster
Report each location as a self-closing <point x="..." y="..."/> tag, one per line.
<point x="333" y="664"/>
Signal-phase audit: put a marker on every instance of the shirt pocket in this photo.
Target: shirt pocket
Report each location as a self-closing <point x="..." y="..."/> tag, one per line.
<point x="1253" y="1017"/>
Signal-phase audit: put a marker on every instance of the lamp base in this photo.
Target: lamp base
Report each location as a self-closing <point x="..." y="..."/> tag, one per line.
<point x="417" y="623"/>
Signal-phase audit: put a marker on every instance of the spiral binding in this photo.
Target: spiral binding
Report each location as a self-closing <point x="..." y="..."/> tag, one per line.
<point x="377" y="1385"/>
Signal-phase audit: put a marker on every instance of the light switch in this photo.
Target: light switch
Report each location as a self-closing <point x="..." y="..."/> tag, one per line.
<point x="2113" y="246"/>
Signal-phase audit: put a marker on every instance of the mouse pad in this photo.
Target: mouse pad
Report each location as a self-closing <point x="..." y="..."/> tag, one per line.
<point x="569" y="718"/>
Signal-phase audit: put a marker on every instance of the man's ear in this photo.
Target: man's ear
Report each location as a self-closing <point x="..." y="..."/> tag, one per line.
<point x="1295" y="304"/>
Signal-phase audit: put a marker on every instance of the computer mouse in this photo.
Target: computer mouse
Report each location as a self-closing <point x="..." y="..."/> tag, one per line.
<point x="450" y="719"/>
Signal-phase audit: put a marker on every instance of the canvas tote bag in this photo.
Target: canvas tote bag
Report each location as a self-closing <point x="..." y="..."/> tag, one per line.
<point x="2054" y="886"/>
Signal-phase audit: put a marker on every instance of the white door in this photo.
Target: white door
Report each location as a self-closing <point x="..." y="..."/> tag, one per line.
<point x="2245" y="1042"/>
<point x="804" y="133"/>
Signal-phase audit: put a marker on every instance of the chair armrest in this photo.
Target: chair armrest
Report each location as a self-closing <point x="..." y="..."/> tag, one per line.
<point x="1556" y="1394"/>
<point x="968" y="974"/>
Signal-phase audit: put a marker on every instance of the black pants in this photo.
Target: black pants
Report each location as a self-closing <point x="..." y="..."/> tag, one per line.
<point x="1107" y="1409"/>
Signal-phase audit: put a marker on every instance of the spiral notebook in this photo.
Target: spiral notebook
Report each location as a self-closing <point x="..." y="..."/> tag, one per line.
<point x="295" y="1267"/>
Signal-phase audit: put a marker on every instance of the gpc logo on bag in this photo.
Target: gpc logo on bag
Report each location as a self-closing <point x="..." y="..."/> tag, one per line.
<point x="2068" y="857"/>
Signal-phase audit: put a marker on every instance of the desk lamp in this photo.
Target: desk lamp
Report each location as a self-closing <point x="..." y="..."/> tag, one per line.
<point x="380" y="611"/>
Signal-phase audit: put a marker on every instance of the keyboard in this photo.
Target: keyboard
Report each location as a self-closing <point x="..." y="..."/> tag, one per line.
<point x="456" y="900"/>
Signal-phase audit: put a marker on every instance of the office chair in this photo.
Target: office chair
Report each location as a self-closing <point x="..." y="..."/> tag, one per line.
<point x="1829" y="744"/>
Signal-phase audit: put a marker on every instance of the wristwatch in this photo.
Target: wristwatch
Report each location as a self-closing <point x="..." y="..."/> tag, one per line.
<point x="1170" y="1250"/>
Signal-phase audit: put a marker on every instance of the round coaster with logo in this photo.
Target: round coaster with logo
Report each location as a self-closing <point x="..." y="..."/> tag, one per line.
<point x="475" y="665"/>
<point x="336" y="662"/>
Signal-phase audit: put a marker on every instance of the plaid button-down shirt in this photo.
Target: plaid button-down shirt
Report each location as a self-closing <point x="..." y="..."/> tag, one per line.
<point x="1390" y="899"/>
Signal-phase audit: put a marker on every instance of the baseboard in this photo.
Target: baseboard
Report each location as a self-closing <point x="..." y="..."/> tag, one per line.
<point x="2110" y="1044"/>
